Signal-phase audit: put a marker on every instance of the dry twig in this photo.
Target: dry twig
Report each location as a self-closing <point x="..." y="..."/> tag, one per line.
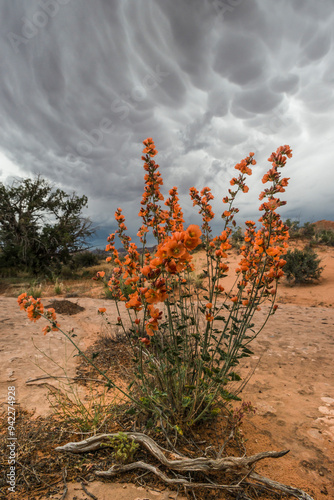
<point x="237" y="465"/>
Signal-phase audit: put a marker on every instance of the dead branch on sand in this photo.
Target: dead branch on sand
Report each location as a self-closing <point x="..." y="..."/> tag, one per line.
<point x="238" y="466"/>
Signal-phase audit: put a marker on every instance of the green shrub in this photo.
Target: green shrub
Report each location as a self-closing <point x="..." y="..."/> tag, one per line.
<point x="85" y="259"/>
<point x="66" y="272"/>
<point x="58" y="288"/>
<point x="124" y="448"/>
<point x="237" y="238"/>
<point x="308" y="230"/>
<point x="326" y="236"/>
<point x="34" y="290"/>
<point x="302" y="266"/>
<point x="294" y="228"/>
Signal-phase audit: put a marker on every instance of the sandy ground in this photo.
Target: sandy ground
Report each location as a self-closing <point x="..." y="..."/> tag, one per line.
<point x="292" y="386"/>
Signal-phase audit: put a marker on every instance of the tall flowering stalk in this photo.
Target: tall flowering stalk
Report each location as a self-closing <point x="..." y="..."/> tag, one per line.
<point x="187" y="342"/>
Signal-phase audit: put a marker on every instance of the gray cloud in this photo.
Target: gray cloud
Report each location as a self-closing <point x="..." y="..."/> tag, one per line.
<point x="285" y="83"/>
<point x="240" y="57"/>
<point x="84" y="83"/>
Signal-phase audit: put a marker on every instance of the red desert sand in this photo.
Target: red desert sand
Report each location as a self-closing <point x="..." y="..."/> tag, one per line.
<point x="292" y="386"/>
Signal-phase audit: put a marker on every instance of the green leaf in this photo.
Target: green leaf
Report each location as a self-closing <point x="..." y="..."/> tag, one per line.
<point x="247" y="351"/>
<point x="186" y="400"/>
<point x="131" y="411"/>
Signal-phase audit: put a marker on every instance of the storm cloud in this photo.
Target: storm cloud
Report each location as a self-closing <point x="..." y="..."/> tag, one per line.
<point x="84" y="83"/>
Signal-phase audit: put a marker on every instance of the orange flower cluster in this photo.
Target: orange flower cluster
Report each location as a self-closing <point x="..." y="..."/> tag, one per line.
<point x="218" y="247"/>
<point x="151" y="212"/>
<point x="114" y="283"/>
<point x="175" y="218"/>
<point x="262" y="256"/>
<point x="205" y="209"/>
<point x="262" y="260"/>
<point x="208" y="315"/>
<point x="35" y="310"/>
<point x="172" y="257"/>
<point x="134" y="302"/>
<point x="278" y="160"/>
<point x="152" y="324"/>
<point x="150" y="148"/>
<point x="239" y="181"/>
<point x="33" y="307"/>
<point x="122" y="228"/>
<point x="131" y="264"/>
<point x="173" y="252"/>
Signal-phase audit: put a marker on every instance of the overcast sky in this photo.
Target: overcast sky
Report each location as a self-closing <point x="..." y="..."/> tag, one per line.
<point x="84" y="82"/>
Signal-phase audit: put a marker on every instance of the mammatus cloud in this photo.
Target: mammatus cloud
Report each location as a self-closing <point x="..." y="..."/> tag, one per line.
<point x="83" y="84"/>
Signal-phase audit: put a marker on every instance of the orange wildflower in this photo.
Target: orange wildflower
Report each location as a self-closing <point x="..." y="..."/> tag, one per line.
<point x="175" y="249"/>
<point x="209" y="317"/>
<point x="145" y="341"/>
<point x="174" y="267"/>
<point x="134" y="302"/>
<point x="46" y="329"/>
<point x="223" y="267"/>
<point x="191" y="243"/>
<point x="193" y="231"/>
<point x="152" y="296"/>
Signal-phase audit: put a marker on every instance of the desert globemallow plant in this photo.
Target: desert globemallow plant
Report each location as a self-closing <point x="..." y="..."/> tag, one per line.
<point x="187" y="342"/>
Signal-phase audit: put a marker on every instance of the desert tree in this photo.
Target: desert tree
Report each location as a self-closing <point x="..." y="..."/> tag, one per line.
<point x="41" y="226"/>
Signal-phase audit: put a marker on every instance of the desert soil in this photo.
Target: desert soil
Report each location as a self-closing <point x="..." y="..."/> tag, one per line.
<point x="292" y="386"/>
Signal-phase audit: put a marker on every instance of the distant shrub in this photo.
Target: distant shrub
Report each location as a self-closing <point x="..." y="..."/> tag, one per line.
<point x="302" y="266"/>
<point x="237" y="238"/>
<point x="85" y="259"/>
<point x="7" y="272"/>
<point x="35" y="290"/>
<point x="87" y="274"/>
<point x="67" y="272"/>
<point x="326" y="236"/>
<point x="294" y="228"/>
<point x="100" y="254"/>
<point x="58" y="288"/>
<point x="308" y="230"/>
<point x="196" y="280"/>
